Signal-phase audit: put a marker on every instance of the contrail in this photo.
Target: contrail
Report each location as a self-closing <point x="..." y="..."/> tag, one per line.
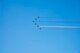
<point x="47" y="26"/>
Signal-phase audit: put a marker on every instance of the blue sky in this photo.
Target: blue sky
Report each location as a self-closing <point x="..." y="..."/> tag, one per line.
<point x="19" y="35"/>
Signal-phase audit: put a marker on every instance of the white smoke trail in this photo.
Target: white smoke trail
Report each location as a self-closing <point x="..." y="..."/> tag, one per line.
<point x="47" y="26"/>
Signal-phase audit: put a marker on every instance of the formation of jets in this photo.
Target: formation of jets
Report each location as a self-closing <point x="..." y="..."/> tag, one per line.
<point x="36" y="24"/>
<point x="52" y="26"/>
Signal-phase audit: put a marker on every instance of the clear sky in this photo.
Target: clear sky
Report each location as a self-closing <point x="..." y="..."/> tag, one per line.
<point x="19" y="35"/>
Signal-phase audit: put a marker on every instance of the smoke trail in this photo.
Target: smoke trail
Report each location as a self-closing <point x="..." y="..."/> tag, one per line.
<point x="47" y="26"/>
